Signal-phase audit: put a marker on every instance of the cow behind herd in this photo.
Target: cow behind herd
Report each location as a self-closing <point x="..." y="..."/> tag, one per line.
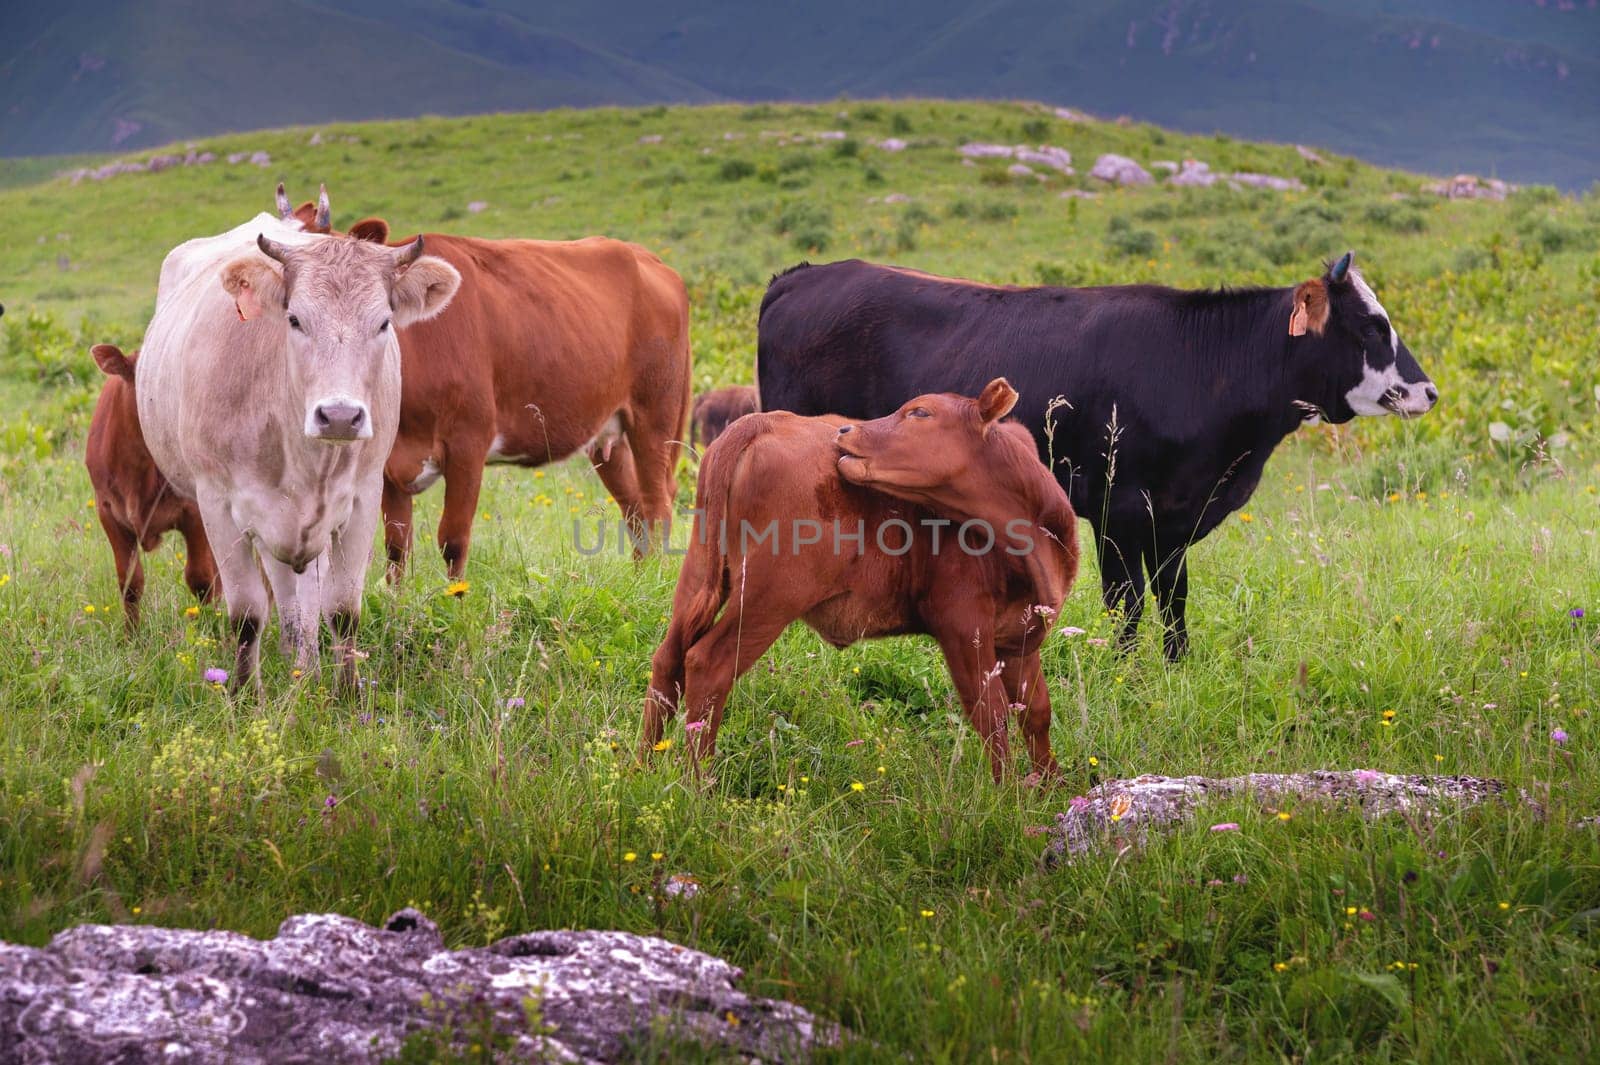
<point x="297" y="386"/>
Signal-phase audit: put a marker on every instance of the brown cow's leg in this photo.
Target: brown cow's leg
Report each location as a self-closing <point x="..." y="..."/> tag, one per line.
<point x="396" y="528"/>
<point x="463" y="479"/>
<point x="1026" y="690"/>
<point x="130" y="568"/>
<point x="716" y="660"/>
<point x="199" y="567"/>
<point x="977" y="676"/>
<point x="655" y="433"/>
<point x="621" y="478"/>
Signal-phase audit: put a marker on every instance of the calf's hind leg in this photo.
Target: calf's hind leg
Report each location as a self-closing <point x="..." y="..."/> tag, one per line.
<point x="977" y="675"/>
<point x="714" y="662"/>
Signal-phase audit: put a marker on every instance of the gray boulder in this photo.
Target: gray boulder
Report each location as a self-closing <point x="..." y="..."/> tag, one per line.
<point x="1127" y="811"/>
<point x="1119" y="170"/>
<point x="330" y="989"/>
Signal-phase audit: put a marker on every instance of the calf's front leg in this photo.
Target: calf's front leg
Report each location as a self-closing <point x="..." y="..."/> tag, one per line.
<point x="1026" y="691"/>
<point x="969" y="654"/>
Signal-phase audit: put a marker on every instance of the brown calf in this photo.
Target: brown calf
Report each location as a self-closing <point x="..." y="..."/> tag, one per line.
<point x="714" y="411"/>
<point x="135" y="503"/>
<point x="878" y="530"/>
<point x="549" y="348"/>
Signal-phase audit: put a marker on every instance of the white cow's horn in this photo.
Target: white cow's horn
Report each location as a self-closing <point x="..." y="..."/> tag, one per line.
<point x="285" y="212"/>
<point x="271" y="248"/>
<point x="324" y="212"/>
<point x="408" y="254"/>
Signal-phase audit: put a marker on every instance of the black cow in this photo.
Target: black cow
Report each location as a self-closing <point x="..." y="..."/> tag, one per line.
<point x="1157" y="408"/>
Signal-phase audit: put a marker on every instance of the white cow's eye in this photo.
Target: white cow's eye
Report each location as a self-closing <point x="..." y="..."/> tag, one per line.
<point x="384" y="328"/>
<point x="294" y="323"/>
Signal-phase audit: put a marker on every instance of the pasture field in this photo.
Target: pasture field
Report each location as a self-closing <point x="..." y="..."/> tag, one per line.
<point x="851" y="852"/>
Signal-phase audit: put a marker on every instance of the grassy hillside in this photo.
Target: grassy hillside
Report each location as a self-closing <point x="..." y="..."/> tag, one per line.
<point x="1431" y="568"/>
<point x="1488" y="86"/>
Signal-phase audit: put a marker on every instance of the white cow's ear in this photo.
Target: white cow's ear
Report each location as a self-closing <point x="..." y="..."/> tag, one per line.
<point x="256" y="287"/>
<point x="423" y="289"/>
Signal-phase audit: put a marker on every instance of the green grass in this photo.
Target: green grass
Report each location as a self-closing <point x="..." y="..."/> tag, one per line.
<point x="1423" y="567"/>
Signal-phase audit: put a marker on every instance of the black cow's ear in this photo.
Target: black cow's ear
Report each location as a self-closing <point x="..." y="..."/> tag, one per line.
<point x="1310" y="313"/>
<point x="1340" y="271"/>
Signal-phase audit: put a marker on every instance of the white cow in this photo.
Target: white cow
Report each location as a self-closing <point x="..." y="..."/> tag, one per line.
<point x="269" y="392"/>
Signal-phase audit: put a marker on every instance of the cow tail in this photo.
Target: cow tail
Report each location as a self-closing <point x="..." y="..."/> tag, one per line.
<point x="704" y="580"/>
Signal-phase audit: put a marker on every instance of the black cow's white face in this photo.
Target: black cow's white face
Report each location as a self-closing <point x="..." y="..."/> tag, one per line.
<point x="1367" y="369"/>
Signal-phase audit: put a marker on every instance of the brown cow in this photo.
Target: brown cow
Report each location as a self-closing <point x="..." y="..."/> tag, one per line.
<point x="714" y="411"/>
<point x="840" y="525"/>
<point x="135" y="503"/>
<point x="549" y="348"/>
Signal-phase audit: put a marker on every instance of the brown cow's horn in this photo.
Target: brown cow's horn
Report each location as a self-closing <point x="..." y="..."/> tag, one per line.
<point x="271" y="248"/>
<point x="324" y="212"/>
<point x="408" y="254"/>
<point x="285" y="212"/>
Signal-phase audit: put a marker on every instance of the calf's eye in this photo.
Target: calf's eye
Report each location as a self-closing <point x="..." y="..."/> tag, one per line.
<point x="917" y="412"/>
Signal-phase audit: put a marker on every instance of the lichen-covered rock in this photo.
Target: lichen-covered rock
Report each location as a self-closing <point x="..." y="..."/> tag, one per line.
<point x="1268" y="181"/>
<point x="330" y="989"/>
<point x="1127" y="810"/>
<point x="1119" y="170"/>
<point x="1058" y="159"/>
<point x="1470" y="187"/>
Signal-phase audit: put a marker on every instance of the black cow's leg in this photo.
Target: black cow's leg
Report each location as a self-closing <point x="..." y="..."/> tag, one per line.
<point x="1122" y="582"/>
<point x="1170" y="575"/>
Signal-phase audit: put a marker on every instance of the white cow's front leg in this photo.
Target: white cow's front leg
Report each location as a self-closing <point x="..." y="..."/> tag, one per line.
<point x="347" y="578"/>
<point x="299" y="623"/>
<point x="242" y="587"/>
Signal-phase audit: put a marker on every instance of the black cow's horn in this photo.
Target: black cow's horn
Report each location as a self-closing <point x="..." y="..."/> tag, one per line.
<point x="285" y="212"/>
<point x="271" y="248"/>
<point x="1341" y="269"/>
<point x="408" y="254"/>
<point x="324" y="212"/>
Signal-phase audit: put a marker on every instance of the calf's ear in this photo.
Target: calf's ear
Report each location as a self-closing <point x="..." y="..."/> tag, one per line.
<point x="996" y="401"/>
<point x="1310" y="308"/>
<point x="256" y="287"/>
<point x="372" y="230"/>
<point x="112" y="362"/>
<point x="423" y="289"/>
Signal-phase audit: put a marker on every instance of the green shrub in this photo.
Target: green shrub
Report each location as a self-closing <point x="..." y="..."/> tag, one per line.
<point x="1124" y="239"/>
<point x="736" y="169"/>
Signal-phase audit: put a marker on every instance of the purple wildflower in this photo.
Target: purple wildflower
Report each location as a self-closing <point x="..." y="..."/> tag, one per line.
<point x="1558" y="736"/>
<point x="693" y="726"/>
<point x="330" y="802"/>
<point x="1226" y="826"/>
<point x="216" y="676"/>
<point x="516" y="702"/>
<point x="1575" y="612"/>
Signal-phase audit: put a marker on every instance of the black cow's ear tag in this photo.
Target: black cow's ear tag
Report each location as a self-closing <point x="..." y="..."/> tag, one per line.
<point x="1299" y="321"/>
